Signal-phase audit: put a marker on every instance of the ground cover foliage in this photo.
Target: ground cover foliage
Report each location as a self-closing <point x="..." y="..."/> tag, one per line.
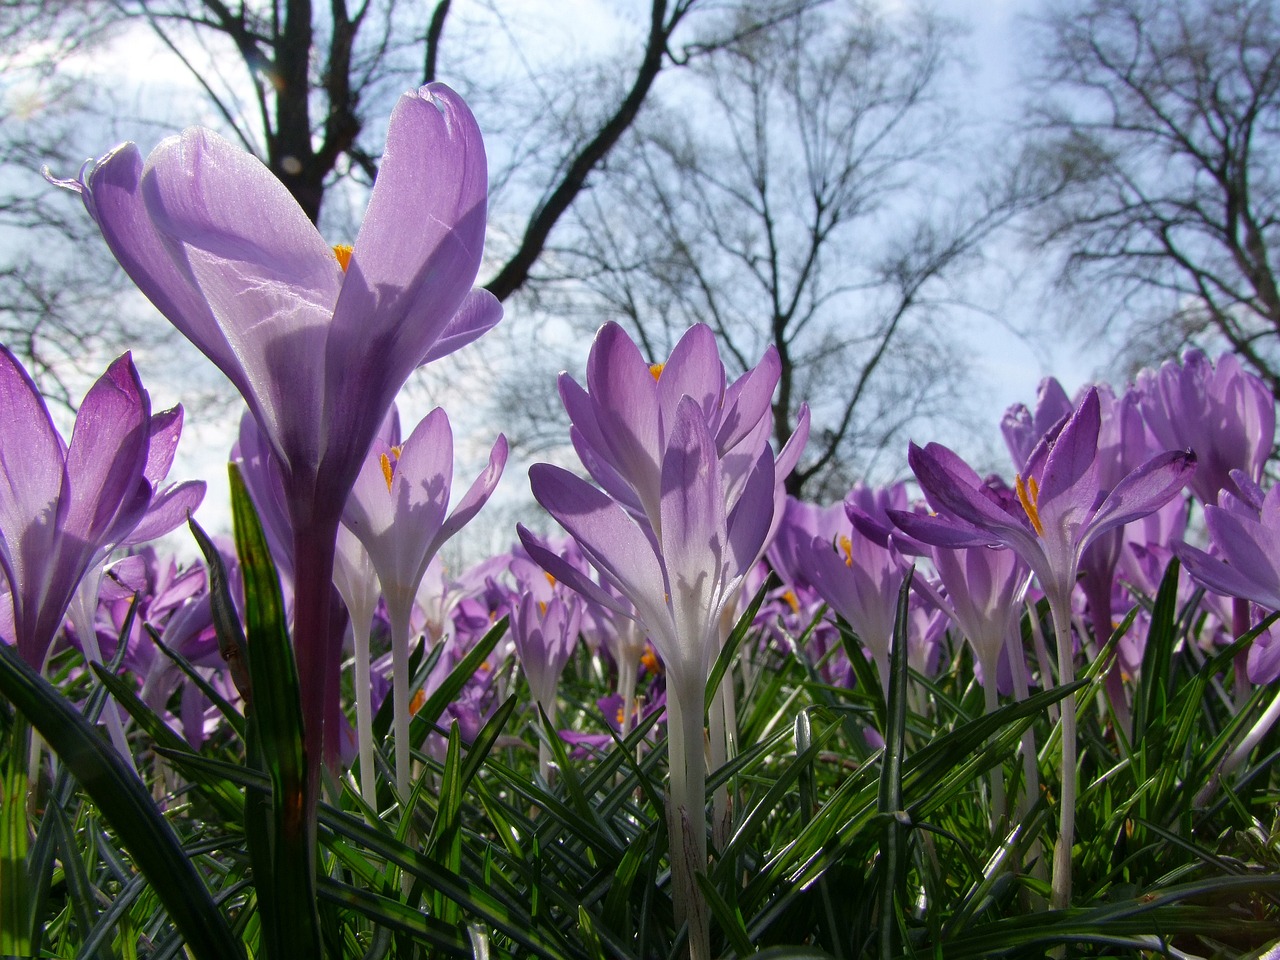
<point x="835" y="845"/>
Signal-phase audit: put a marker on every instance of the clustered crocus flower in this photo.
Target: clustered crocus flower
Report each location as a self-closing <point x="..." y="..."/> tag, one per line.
<point x="690" y="485"/>
<point x="318" y="344"/>
<point x="1062" y="507"/>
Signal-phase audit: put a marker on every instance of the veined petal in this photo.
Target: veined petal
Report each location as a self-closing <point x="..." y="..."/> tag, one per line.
<point x="750" y="400"/>
<point x="165" y="430"/>
<point x="167" y="511"/>
<point x="610" y="540"/>
<point x="32" y="467"/>
<point x="113" y="196"/>
<point x="477" y="495"/>
<point x="413" y="265"/>
<point x="1230" y="580"/>
<point x="752" y="520"/>
<point x="480" y="312"/>
<point x="694" y="370"/>
<point x="1143" y="491"/>
<point x="268" y="277"/>
<point x="951" y="486"/>
<point x="569" y="575"/>
<point x="107" y="454"/>
<point x="1069" y="480"/>
<point x="624" y="395"/>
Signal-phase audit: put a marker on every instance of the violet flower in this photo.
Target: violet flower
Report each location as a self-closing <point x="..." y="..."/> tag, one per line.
<point x="317" y="344"/>
<point x="1062" y="507"/>
<point x="399" y="510"/>
<point x="545" y="630"/>
<point x="690" y="488"/>
<point x="1219" y="410"/>
<point x="63" y="508"/>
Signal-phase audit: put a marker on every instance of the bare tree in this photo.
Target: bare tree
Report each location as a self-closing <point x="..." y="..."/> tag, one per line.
<point x="804" y="195"/>
<point x="307" y="86"/>
<point x="1159" y="123"/>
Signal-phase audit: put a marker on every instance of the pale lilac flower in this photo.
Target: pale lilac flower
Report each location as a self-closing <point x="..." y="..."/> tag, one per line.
<point x="317" y="344"/>
<point x="398" y="509"/>
<point x="64" y="508"/>
<point x="1221" y="411"/>
<point x="691" y="488"/>
<point x="1062" y="507"/>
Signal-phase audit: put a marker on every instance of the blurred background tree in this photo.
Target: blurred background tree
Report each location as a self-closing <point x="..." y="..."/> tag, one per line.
<point x="1160" y="122"/>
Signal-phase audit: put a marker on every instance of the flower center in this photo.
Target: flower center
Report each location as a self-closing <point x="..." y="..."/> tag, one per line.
<point x="342" y="251"/>
<point x="655" y="369"/>
<point x="1028" y="495"/>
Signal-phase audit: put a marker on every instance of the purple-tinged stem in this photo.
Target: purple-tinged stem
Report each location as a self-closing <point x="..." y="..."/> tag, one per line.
<point x="317" y="649"/>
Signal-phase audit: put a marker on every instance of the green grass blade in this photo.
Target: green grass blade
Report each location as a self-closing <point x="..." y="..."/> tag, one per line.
<point x="15" y="895"/>
<point x="125" y="803"/>
<point x="288" y="902"/>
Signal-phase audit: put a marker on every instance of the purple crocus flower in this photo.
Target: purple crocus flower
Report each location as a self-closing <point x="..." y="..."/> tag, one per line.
<point x="63" y="508"/>
<point x="690" y="491"/>
<point x="1061" y="508"/>
<point x="399" y="510"/>
<point x="1246" y="536"/>
<point x="317" y="344"/>
<point x="545" y="630"/>
<point x="1221" y="411"/>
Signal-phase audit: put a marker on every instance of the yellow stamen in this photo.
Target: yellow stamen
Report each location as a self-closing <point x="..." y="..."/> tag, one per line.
<point x="343" y="252"/>
<point x="542" y="607"/>
<point x="650" y="660"/>
<point x="792" y="601"/>
<point x="656" y="370"/>
<point x="550" y="579"/>
<point x="1028" y="495"/>
<point x="419" y="698"/>
<point x="620" y="714"/>
<point x="847" y="546"/>
<point x="386" y="470"/>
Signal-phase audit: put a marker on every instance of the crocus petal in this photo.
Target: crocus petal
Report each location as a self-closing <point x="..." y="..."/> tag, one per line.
<point x="113" y="196"/>
<point x="414" y="262"/>
<point x="624" y="395"/>
<point x="108" y="453"/>
<point x="751" y="396"/>
<point x="477" y="495"/>
<point x="951" y="485"/>
<point x="268" y="276"/>
<point x="693" y="370"/>
<point x="569" y="575"/>
<point x="480" y="312"/>
<point x="1069" y="474"/>
<point x="1228" y="580"/>
<point x="164" y="430"/>
<point x="608" y="537"/>
<point x="168" y="510"/>
<point x="31" y="464"/>
<point x="1143" y="491"/>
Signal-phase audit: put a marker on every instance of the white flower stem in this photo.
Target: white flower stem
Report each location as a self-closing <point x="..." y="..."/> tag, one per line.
<point x="401" y="699"/>
<point x="1060" y="888"/>
<point x="364" y="712"/>
<point x="686" y="813"/>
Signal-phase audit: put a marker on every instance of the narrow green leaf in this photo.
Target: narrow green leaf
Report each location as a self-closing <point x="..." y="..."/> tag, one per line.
<point x="730" y="920"/>
<point x="221" y="792"/>
<point x="124" y="801"/>
<point x="288" y="901"/>
<point x="15" y="895"/>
